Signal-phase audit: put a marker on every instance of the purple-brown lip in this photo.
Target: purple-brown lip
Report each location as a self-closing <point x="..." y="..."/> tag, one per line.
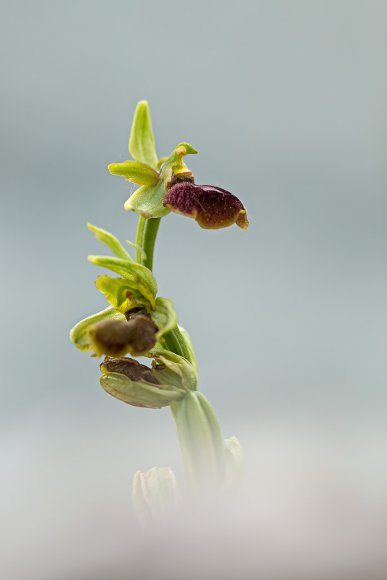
<point x="212" y="207"/>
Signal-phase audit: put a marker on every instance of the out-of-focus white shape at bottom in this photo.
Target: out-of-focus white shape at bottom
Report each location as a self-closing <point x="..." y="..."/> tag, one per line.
<point x="155" y="494"/>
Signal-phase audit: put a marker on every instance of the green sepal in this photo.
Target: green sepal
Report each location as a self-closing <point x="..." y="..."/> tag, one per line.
<point x="172" y="369"/>
<point x="142" y="142"/>
<point x="135" y="171"/>
<point x="164" y="316"/>
<point x="79" y="334"/>
<point x="120" y="293"/>
<point x="110" y="241"/>
<point x="139" y="393"/>
<point x="141" y="279"/>
<point x="148" y="201"/>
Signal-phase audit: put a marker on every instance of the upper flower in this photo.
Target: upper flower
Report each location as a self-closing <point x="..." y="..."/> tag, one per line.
<point x="166" y="184"/>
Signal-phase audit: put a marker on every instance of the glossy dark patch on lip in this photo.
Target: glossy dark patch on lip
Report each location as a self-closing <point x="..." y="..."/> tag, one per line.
<point x="212" y="207"/>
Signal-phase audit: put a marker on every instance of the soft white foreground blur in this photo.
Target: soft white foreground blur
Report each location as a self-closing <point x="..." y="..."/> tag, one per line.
<point x="313" y="505"/>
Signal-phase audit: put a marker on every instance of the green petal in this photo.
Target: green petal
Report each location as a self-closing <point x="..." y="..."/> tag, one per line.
<point x="142" y="141"/>
<point x="164" y="316"/>
<point x="135" y="171"/>
<point x="79" y="334"/>
<point x="139" y="393"/>
<point x="111" y="241"/>
<point x="148" y="201"/>
<point x="120" y="293"/>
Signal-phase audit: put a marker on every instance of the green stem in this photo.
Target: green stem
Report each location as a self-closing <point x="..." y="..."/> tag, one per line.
<point x="201" y="442"/>
<point x="145" y="240"/>
<point x="198" y="429"/>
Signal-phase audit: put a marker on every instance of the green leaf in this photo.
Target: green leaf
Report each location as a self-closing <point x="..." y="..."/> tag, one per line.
<point x="164" y="316"/>
<point x="120" y="293"/>
<point x="148" y="201"/>
<point x="141" y="141"/>
<point x="135" y="171"/>
<point x="139" y="277"/>
<point x="79" y="334"/>
<point x="111" y="241"/>
<point x="139" y="393"/>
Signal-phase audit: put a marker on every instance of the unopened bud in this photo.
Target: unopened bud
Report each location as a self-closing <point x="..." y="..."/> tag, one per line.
<point x="154" y="494"/>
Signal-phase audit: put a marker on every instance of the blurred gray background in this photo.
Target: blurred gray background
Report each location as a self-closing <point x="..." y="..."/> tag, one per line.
<point x="286" y="103"/>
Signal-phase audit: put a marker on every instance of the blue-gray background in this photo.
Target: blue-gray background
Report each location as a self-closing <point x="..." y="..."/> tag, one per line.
<point x="285" y="102"/>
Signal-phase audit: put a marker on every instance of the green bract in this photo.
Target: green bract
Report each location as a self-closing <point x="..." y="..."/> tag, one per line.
<point x="146" y="170"/>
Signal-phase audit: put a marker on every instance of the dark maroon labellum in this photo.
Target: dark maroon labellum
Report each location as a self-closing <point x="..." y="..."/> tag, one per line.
<point x="212" y="207"/>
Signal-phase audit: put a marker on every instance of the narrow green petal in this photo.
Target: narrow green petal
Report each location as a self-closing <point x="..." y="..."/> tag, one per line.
<point x="135" y="171"/>
<point x="142" y="141"/>
<point x="111" y="241"/>
<point x="79" y="334"/>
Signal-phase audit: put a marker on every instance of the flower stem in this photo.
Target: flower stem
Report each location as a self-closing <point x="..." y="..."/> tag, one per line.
<point x="145" y="239"/>
<point x="201" y="442"/>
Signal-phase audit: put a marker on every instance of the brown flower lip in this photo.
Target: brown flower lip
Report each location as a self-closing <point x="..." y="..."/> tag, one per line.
<point x="130" y="368"/>
<point x="118" y="337"/>
<point x="212" y="207"/>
